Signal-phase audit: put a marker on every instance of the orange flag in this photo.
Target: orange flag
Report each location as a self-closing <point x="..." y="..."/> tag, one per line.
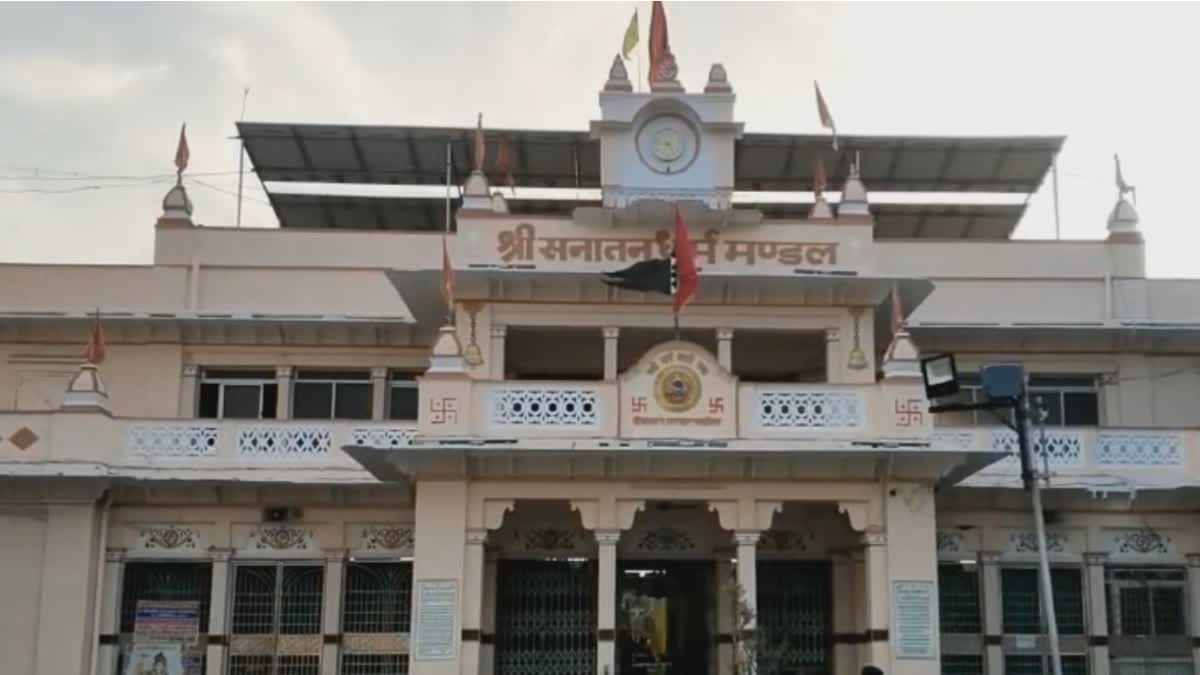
<point x="819" y="179"/>
<point x="687" y="278"/>
<point x="182" y="152"/>
<point x="447" y="277"/>
<point x="96" y="349"/>
<point x="480" y="150"/>
<point x="823" y="113"/>
<point x="662" y="61"/>
<point x="897" y="311"/>
<point x="504" y="164"/>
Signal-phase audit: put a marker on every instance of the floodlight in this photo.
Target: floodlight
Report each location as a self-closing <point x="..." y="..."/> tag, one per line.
<point x="940" y="375"/>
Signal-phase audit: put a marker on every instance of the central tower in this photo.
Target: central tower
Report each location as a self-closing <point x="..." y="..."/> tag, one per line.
<point x="667" y="144"/>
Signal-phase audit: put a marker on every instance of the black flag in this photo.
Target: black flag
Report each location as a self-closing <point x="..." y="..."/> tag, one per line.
<point x="647" y="276"/>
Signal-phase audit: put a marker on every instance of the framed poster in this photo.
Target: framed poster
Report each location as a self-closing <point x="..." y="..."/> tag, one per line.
<point x="916" y="625"/>
<point x="149" y="658"/>
<point x="436" y="619"/>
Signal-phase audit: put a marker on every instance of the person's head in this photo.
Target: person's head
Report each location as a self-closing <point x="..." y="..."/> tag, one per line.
<point x="160" y="663"/>
<point x="872" y="670"/>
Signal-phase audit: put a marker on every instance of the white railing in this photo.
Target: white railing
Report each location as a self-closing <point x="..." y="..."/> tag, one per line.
<point x="259" y="442"/>
<point x="541" y="408"/>
<point x="804" y="408"/>
<point x="1079" y="448"/>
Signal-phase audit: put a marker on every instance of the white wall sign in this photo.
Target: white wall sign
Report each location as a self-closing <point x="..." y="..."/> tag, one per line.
<point x="914" y="620"/>
<point x="437" y="606"/>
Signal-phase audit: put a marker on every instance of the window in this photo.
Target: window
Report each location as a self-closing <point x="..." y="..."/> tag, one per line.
<point x="1146" y="602"/>
<point x="962" y="664"/>
<point x="1021" y="600"/>
<point x="237" y="394"/>
<point x="1066" y="400"/>
<point x="377" y="602"/>
<point x="171" y="581"/>
<point x="272" y="600"/>
<point x="1033" y="664"/>
<point x="402" y="397"/>
<point x="323" y="395"/>
<point x="958" y="598"/>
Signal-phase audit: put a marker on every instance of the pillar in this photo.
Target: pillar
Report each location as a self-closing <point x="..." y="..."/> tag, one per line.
<point x="498" y="332"/>
<point x="331" y="609"/>
<point x="472" y="601"/>
<point x="187" y="392"/>
<point x="845" y="658"/>
<point x="725" y="348"/>
<point x="725" y="610"/>
<point x="379" y="393"/>
<point x="487" y="646"/>
<point x="993" y="615"/>
<point x="1193" y="582"/>
<point x="611" y="333"/>
<point x="1097" y="613"/>
<point x="65" y="636"/>
<point x="439" y="600"/>
<point x="110" y="611"/>
<point x="218" y="610"/>
<point x="283" y="398"/>
<point x="606" y="596"/>
<point x="833" y="356"/>
<point x="878" y="599"/>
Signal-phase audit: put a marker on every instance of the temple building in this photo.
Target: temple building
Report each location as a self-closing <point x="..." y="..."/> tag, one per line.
<point x="284" y="455"/>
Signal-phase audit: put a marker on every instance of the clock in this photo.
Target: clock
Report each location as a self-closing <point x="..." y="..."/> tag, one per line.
<point x="667" y="144"/>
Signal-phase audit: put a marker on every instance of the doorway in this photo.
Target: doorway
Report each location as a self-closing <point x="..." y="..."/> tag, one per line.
<point x="666" y="615"/>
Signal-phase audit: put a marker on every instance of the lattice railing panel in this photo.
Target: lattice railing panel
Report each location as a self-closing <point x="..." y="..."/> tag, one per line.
<point x="808" y="409"/>
<point x="382" y="437"/>
<point x="173" y="441"/>
<point x="1139" y="448"/>
<point x="284" y="442"/>
<point x="1057" y="447"/>
<point x="541" y="408"/>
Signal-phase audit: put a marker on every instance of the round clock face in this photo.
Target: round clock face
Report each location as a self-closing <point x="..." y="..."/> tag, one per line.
<point x="667" y="144"/>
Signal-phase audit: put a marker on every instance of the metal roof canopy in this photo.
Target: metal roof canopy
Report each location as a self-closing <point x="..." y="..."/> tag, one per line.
<point x="892" y="221"/>
<point x="763" y="162"/>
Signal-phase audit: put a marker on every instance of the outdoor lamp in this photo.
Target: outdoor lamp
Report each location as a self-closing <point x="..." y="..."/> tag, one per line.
<point x="940" y="376"/>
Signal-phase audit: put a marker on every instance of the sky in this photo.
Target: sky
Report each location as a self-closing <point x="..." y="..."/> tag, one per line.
<point x="92" y="94"/>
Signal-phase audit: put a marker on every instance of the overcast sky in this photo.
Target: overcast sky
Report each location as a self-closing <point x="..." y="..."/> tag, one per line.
<point x="99" y="89"/>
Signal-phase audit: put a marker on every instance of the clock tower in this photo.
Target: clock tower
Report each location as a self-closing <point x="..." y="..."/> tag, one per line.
<point x="666" y="145"/>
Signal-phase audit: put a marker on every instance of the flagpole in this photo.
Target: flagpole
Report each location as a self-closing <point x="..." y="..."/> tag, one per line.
<point x="241" y="156"/>
<point x="449" y="180"/>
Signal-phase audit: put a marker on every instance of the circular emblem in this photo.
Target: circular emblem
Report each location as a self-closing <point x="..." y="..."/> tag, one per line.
<point x="677" y="389"/>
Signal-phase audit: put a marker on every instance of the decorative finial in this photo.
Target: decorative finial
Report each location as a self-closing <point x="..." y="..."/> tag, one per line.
<point x="1123" y="220"/>
<point x="821" y="209"/>
<point x="718" y="81"/>
<point x="854" y="202"/>
<point x="618" y="76"/>
<point x="480" y="150"/>
<point x="176" y="205"/>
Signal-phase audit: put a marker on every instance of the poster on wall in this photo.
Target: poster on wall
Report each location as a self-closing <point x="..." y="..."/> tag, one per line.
<point x="149" y="658"/>
<point x="160" y="624"/>
<point x="434" y="624"/>
<point x="916" y="631"/>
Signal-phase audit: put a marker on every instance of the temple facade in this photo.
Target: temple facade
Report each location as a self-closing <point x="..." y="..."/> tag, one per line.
<point x="294" y="459"/>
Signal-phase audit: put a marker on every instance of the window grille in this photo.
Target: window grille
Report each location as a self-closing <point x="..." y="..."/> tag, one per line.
<point x="1020" y="600"/>
<point x="169" y="581"/>
<point x="962" y="664"/>
<point x="376" y="611"/>
<point x="1146" y="602"/>
<point x="339" y="395"/>
<point x="402" y="397"/>
<point x="275" y="623"/>
<point x="374" y="664"/>
<point x="237" y="394"/>
<point x="958" y="598"/>
<point x="1036" y="664"/>
<point x="1068" y="401"/>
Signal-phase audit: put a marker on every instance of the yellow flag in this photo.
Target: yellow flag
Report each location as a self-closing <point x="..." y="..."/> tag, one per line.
<point x="631" y="37"/>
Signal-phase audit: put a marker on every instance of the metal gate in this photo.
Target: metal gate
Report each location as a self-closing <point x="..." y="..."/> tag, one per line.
<point x="275" y="625"/>
<point x="545" y="617"/>
<point x="795" y="617"/>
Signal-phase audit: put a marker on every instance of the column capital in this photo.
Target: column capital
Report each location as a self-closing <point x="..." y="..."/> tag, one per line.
<point x="873" y="537"/>
<point x="335" y="554"/>
<point x="476" y="537"/>
<point x="191" y="370"/>
<point x="114" y="554"/>
<point x="283" y="371"/>
<point x="747" y="537"/>
<point x="1193" y="559"/>
<point x="499" y="330"/>
<point x="724" y="333"/>
<point x="989" y="558"/>
<point x="219" y="554"/>
<point x="607" y="537"/>
<point x="380" y="373"/>
<point x="1095" y="559"/>
<point x="610" y="332"/>
<point x="832" y="334"/>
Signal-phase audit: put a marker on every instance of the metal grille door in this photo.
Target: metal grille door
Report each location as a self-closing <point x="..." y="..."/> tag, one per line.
<point x="276" y="620"/>
<point x="545" y="617"/>
<point x="794" y="617"/>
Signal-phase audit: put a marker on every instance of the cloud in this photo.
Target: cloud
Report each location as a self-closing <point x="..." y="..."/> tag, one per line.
<point x="52" y="78"/>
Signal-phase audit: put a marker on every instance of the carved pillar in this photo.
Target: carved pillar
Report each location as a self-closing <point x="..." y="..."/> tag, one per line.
<point x="1097" y="612"/>
<point x="188" y="385"/>
<point x="331" y="607"/>
<point x="379" y="392"/>
<point x="497" y="349"/>
<point x="725" y="348"/>
<point x="875" y="550"/>
<point x="747" y="572"/>
<point x="833" y="356"/>
<point x="283" y="398"/>
<point x="606" y="596"/>
<point x="611" y="333"/>
<point x="845" y="604"/>
<point x="993" y="617"/>
<point x="472" y="620"/>
<point x="217" y="610"/>
<point x="487" y="647"/>
<point x="110" y="610"/>
<point x="1193" y="583"/>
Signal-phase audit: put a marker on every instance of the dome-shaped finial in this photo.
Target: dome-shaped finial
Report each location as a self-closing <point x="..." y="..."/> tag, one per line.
<point x="618" y="76"/>
<point x="854" y="194"/>
<point x="718" y="81"/>
<point x="176" y="205"/>
<point x="1123" y="220"/>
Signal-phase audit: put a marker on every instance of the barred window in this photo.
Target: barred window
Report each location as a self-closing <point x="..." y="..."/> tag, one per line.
<point x="375" y="611"/>
<point x="1035" y="664"/>
<point x="958" y="598"/>
<point x="272" y="600"/>
<point x="1146" y="602"/>
<point x="1021" y="600"/>
<point x="165" y="581"/>
<point x="962" y="664"/>
<point x="374" y="664"/>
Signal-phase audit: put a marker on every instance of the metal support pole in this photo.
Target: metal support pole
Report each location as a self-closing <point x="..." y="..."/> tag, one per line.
<point x="1032" y="483"/>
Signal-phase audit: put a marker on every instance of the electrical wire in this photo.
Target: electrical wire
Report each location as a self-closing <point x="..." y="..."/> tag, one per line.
<point x="75" y="176"/>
